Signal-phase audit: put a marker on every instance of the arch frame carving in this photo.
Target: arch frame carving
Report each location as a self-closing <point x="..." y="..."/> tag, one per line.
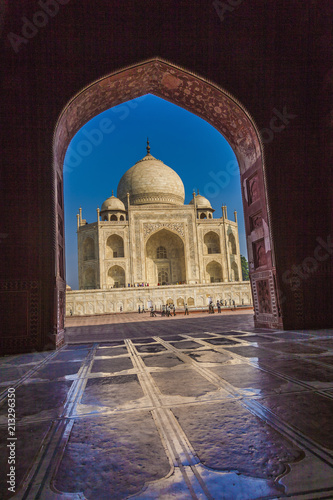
<point x="149" y="229"/>
<point x="118" y="264"/>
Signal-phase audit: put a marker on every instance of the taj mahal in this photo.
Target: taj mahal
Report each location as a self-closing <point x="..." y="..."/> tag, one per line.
<point x="148" y="248"/>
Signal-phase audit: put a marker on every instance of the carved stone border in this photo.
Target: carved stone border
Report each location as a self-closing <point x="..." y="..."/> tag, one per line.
<point x="151" y="227"/>
<point x="267" y="319"/>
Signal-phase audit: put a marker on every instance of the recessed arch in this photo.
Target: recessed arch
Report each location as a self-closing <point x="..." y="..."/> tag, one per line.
<point x="211" y="243"/>
<point x="114" y="247"/>
<point x="234" y="272"/>
<point x="89" y="279"/>
<point x="88" y="249"/>
<point x="206" y="100"/>
<point x="232" y="244"/>
<point x="165" y="258"/>
<point x="214" y="272"/>
<point x="116" y="277"/>
<point x="180" y="302"/>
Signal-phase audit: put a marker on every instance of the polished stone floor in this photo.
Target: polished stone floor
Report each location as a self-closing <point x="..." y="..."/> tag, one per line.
<point x="204" y="407"/>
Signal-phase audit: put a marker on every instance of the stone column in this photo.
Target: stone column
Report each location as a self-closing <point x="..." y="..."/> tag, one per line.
<point x="100" y="280"/>
<point x="224" y="217"/>
<point x="130" y="249"/>
<point x="239" y="262"/>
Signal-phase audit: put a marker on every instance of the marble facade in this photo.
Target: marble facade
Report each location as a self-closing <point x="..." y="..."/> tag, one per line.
<point x="146" y="245"/>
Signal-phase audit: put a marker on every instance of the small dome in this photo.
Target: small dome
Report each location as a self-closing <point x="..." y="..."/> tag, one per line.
<point x="201" y="201"/>
<point x="113" y="203"/>
<point x="150" y="181"/>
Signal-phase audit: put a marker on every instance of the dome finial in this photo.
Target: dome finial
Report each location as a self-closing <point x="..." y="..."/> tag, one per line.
<point x="198" y="192"/>
<point x="112" y="192"/>
<point x="148" y="147"/>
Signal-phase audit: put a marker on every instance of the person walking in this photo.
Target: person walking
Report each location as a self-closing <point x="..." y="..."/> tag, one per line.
<point x="174" y="310"/>
<point x="218" y="306"/>
<point x="186" y="310"/>
<point x="139" y="310"/>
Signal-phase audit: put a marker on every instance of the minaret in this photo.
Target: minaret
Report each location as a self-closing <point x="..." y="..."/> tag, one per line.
<point x="194" y="204"/>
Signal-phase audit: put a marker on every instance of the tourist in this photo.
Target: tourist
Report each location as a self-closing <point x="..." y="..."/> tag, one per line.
<point x="186" y="310"/>
<point x="218" y="306"/>
<point x="139" y="310"/>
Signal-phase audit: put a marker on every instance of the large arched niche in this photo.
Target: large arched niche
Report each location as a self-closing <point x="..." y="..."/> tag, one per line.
<point x="222" y="111"/>
<point x="165" y="258"/>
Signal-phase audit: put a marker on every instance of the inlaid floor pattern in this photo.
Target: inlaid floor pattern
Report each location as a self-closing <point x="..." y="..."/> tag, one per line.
<point x="221" y="414"/>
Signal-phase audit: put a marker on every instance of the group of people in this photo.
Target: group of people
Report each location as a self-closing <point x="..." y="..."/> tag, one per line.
<point x="168" y="310"/>
<point x="219" y="304"/>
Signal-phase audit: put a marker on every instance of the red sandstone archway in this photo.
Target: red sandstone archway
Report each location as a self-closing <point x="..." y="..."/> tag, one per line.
<point x="223" y="112"/>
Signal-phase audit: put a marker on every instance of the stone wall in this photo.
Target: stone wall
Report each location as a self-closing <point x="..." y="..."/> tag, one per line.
<point x="87" y="302"/>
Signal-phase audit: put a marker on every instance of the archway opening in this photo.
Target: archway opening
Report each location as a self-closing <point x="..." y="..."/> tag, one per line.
<point x="88" y="249"/>
<point x="214" y="272"/>
<point x="89" y="279"/>
<point x="165" y="259"/>
<point x="114" y="247"/>
<point x="218" y="108"/>
<point x="211" y="243"/>
<point x="116" y="277"/>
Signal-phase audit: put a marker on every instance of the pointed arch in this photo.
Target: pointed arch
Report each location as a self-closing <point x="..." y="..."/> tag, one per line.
<point x="206" y="100"/>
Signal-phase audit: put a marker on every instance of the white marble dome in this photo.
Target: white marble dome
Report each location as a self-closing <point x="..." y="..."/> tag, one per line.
<point x="201" y="201"/>
<point x="150" y="181"/>
<point x="112" y="203"/>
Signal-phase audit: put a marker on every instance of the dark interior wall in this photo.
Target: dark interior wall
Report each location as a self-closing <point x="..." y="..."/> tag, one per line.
<point x="274" y="56"/>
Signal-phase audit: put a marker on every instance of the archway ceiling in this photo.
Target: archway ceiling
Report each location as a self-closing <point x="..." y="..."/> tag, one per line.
<point x="173" y="84"/>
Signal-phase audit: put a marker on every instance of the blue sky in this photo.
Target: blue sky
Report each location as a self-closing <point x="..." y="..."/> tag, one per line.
<point x="112" y="142"/>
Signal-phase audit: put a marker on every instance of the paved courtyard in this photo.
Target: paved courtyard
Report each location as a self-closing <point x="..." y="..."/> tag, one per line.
<point x="198" y="407"/>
